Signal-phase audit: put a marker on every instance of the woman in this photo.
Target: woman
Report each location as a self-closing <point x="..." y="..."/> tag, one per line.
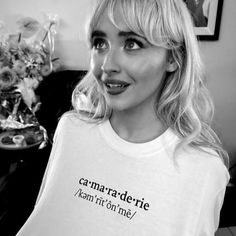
<point x="138" y="157"/>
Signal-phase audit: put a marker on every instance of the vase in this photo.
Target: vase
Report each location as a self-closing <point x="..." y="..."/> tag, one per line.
<point x="14" y="113"/>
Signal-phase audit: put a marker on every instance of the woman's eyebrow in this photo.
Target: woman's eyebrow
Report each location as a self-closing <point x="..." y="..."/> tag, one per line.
<point x="98" y="33"/>
<point x="129" y="34"/>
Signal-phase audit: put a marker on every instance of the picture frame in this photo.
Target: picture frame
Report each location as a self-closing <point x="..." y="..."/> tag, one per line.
<point x="207" y="17"/>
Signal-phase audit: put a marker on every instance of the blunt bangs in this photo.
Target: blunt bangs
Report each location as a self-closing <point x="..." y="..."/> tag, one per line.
<point x="151" y="20"/>
<point x="146" y="18"/>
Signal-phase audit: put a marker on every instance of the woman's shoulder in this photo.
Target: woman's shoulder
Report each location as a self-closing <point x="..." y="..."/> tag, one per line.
<point x="206" y="162"/>
<point x="71" y="122"/>
<point x="72" y="118"/>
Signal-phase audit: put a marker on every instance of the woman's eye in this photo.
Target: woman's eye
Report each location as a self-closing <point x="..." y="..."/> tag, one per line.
<point x="132" y="44"/>
<point x="99" y="44"/>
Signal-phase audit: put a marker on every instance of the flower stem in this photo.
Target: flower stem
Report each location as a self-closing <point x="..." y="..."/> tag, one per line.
<point x="19" y="38"/>
<point x="15" y="108"/>
<point x="45" y="36"/>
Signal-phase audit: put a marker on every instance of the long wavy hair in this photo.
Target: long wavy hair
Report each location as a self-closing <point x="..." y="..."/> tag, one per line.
<point x="183" y="102"/>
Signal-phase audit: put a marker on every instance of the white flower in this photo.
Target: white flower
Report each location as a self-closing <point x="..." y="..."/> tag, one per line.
<point x="19" y="67"/>
<point x="28" y="26"/>
<point x="7" y="78"/>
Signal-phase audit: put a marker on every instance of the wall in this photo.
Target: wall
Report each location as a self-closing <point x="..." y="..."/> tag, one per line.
<point x="219" y="56"/>
<point x="220" y="60"/>
<point x="70" y="40"/>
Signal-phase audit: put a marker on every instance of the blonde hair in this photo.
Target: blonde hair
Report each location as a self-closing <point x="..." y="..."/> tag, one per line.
<point x="183" y="103"/>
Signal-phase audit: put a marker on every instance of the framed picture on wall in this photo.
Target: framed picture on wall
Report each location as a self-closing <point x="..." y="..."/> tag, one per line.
<point x="207" y="17"/>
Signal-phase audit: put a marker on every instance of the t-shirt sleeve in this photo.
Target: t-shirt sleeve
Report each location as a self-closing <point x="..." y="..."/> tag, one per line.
<point x="58" y="135"/>
<point x="212" y="200"/>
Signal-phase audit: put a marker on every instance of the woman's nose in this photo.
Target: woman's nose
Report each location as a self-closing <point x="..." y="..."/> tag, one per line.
<point x="111" y="62"/>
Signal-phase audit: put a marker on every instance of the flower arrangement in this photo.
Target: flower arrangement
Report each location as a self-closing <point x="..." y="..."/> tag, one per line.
<point x="26" y="58"/>
<point x="25" y="62"/>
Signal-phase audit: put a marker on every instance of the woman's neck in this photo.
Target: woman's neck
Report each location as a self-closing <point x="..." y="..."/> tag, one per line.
<point x="137" y="127"/>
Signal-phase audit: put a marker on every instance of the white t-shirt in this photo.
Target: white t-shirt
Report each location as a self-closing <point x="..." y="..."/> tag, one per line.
<point x="99" y="184"/>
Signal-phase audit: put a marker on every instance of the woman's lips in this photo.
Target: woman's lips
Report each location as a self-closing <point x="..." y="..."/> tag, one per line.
<point x="115" y="87"/>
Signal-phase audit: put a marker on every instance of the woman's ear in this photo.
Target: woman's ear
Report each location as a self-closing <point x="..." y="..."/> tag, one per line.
<point x="171" y="63"/>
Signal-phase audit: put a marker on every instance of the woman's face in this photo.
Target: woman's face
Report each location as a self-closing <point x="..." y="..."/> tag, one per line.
<point x="127" y="67"/>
